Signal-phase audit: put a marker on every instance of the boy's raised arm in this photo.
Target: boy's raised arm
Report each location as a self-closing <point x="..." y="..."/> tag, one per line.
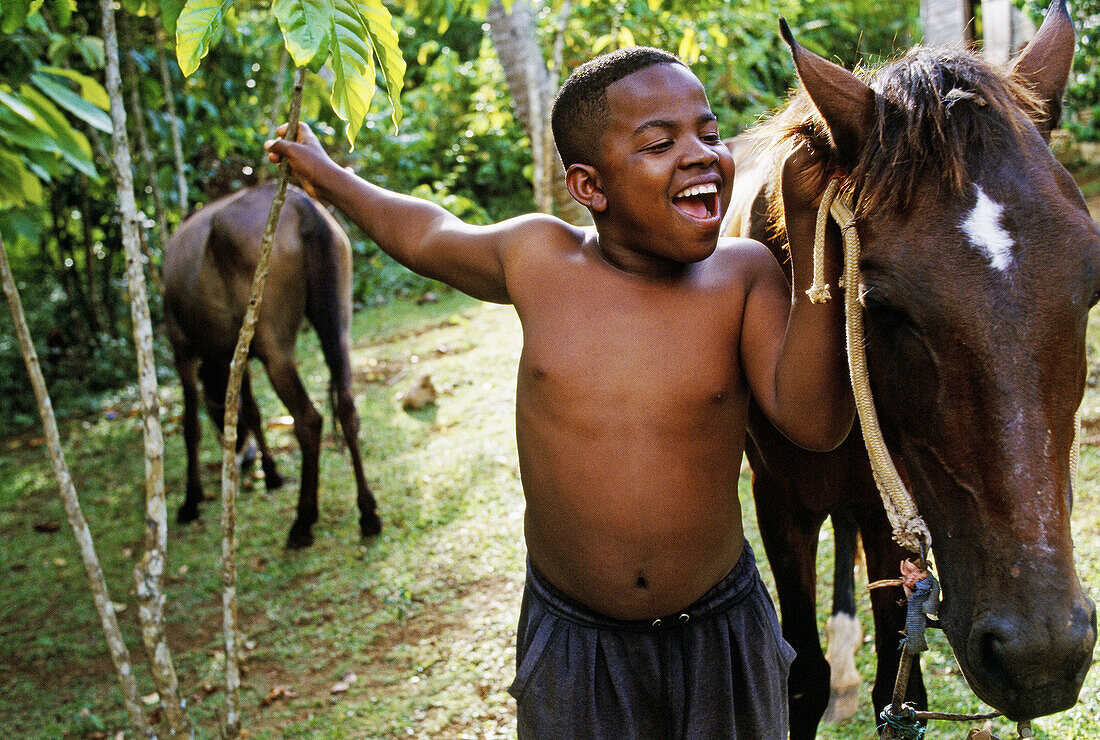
<point x="795" y="361"/>
<point x="419" y="234"/>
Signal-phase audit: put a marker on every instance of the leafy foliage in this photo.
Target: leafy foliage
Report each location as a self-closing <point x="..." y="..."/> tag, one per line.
<point x="350" y="34"/>
<point x="198" y="24"/>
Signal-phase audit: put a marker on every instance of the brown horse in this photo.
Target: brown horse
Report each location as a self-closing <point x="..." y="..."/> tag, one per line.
<point x="208" y="269"/>
<point x="979" y="265"/>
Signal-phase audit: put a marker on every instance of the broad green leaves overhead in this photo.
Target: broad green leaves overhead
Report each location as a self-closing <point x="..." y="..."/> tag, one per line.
<point x="354" y="35"/>
<point x="37" y="139"/>
<point x="14" y="13"/>
<point x="198" y="23"/>
<point x="306" y="26"/>
<point x="362" y="31"/>
<point x="81" y="107"/>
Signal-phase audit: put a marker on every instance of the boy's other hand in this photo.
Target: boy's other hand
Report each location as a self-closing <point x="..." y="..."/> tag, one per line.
<point x="805" y="175"/>
<point x="305" y="156"/>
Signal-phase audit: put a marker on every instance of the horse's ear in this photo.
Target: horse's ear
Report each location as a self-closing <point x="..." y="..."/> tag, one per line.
<point x="1045" y="62"/>
<point x="845" y="102"/>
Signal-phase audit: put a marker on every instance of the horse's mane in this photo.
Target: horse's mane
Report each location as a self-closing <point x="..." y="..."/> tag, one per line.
<point x="937" y="110"/>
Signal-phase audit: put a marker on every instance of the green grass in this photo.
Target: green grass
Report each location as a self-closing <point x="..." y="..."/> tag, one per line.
<point x="423" y="614"/>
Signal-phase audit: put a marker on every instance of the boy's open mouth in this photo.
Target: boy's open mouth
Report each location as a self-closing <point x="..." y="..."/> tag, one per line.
<point x="698" y="201"/>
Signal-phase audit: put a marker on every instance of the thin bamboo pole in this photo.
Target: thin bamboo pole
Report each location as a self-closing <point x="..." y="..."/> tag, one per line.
<point x="96" y="581"/>
<point x="149" y="573"/>
<point x="230" y="470"/>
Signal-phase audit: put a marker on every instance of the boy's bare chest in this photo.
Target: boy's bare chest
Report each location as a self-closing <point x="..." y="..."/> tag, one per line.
<point x="650" y="350"/>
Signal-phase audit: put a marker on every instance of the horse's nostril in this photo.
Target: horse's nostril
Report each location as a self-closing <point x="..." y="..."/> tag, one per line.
<point x="991" y="648"/>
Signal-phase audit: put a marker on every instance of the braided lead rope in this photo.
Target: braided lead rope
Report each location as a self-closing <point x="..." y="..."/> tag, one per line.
<point x="1075" y="452"/>
<point x="909" y="528"/>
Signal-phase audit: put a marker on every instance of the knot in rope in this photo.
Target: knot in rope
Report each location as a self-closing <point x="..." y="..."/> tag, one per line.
<point x="903" y="722"/>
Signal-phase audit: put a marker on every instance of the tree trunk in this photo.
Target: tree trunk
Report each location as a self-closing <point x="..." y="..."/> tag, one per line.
<point x="230" y="469"/>
<point x="103" y="604"/>
<point x="149" y="573"/>
<point x="533" y="88"/>
<point x="173" y="121"/>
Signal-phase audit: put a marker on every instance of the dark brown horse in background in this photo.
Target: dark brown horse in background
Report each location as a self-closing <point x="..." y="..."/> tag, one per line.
<point x="208" y="269"/>
<point x="979" y="265"/>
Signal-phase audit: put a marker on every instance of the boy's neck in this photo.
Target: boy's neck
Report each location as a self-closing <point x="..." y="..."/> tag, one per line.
<point x="633" y="262"/>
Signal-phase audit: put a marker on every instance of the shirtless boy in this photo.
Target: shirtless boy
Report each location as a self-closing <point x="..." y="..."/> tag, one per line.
<point x="643" y="338"/>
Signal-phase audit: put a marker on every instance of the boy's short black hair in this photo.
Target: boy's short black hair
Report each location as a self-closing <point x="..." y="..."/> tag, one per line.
<point x="579" y="115"/>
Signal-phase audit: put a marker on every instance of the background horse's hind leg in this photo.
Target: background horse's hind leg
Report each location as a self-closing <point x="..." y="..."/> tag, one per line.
<point x="789" y="532"/>
<point x="307" y="429"/>
<point x="844" y="635"/>
<point x="369" y="523"/>
<point x="253" y="420"/>
<point x="187" y="368"/>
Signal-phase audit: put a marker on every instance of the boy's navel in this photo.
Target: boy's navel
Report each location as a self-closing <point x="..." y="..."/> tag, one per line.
<point x="641" y="582"/>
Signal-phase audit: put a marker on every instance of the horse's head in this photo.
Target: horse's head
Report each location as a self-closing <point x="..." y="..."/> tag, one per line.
<point x="979" y="266"/>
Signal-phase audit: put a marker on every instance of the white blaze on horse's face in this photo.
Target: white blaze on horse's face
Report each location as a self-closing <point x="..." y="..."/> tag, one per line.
<point x="983" y="226"/>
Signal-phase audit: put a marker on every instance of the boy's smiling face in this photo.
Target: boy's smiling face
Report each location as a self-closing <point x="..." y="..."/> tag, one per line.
<point x="664" y="173"/>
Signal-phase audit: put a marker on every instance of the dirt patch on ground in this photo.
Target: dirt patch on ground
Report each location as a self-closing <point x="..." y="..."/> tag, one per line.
<point x="410" y="671"/>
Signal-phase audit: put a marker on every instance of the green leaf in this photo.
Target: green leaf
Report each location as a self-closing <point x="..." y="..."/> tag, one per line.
<point x="70" y="101"/>
<point x="63" y="11"/>
<point x="17" y="106"/>
<point x="90" y="89"/>
<point x="198" y="23"/>
<point x="35" y="135"/>
<point x="31" y="185"/>
<point x="386" y="49"/>
<point x="305" y="24"/>
<point x="362" y="31"/>
<point x="353" y="66"/>
<point x="72" y="145"/>
<point x="91" y="49"/>
<point x="169" y="12"/>
<point x="689" y="46"/>
<point x="15" y="13"/>
<point x="17" y="184"/>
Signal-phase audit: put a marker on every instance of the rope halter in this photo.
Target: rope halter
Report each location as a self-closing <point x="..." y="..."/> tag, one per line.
<point x="910" y="531"/>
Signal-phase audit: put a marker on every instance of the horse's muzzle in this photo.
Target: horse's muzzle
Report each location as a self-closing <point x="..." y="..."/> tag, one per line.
<point x="1031" y="664"/>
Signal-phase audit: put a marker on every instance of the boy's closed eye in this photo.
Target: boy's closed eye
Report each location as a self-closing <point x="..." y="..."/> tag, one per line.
<point x="658" y="146"/>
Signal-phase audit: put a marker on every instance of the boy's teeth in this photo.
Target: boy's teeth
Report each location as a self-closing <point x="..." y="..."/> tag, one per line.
<point x="698" y="190"/>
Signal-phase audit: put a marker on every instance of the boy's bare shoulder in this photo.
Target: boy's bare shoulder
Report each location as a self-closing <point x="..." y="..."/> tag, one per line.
<point x="744" y="259"/>
<point x="540" y="229"/>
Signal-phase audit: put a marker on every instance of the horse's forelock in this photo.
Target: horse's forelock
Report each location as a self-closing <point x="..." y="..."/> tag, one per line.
<point x="937" y="110"/>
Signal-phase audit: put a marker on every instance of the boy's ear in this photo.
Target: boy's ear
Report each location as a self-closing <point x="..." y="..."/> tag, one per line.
<point x="583" y="183"/>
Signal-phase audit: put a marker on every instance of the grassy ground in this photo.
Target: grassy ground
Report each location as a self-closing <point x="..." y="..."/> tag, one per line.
<point x="406" y="635"/>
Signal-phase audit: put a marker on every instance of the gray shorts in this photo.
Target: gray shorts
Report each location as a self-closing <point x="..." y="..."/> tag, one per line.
<point x="716" y="670"/>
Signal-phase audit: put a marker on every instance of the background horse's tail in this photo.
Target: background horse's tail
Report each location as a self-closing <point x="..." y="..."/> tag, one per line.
<point x="328" y="289"/>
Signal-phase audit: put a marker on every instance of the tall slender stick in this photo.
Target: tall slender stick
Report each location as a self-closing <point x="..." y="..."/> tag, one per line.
<point x="137" y="110"/>
<point x="173" y="121"/>
<point x="119" y="654"/>
<point x="230" y="470"/>
<point x="149" y="573"/>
